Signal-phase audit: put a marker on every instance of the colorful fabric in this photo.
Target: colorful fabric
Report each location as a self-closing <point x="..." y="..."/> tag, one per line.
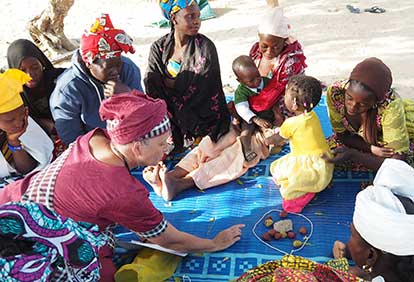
<point x="303" y="170"/>
<point x="170" y="7"/>
<point x="173" y="68"/>
<point x="63" y="250"/>
<point x="11" y="84"/>
<point x="299" y="269"/>
<point x="131" y="116"/>
<point x="91" y="197"/>
<point x="275" y="23"/>
<point x="290" y="62"/>
<point x="196" y="102"/>
<point x="104" y="41"/>
<point x="395" y="118"/>
<point x="378" y="209"/>
<point x="375" y="74"/>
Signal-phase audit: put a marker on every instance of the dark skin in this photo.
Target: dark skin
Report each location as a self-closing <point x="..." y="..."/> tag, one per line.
<point x="105" y="70"/>
<point x="14" y="124"/>
<point x="186" y="24"/>
<point x="357" y="105"/>
<point x="271" y="46"/>
<point x="34" y="68"/>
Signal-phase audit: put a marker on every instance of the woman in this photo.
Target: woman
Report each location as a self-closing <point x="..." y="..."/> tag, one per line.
<point x="92" y="181"/>
<point x="277" y="56"/>
<point x="24" y="55"/>
<point x="81" y="88"/>
<point x="24" y="145"/>
<point x="370" y="118"/>
<point x="184" y="71"/>
<point x="381" y="233"/>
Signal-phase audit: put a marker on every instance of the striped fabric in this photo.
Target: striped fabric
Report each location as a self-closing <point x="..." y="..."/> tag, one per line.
<point x="161" y="128"/>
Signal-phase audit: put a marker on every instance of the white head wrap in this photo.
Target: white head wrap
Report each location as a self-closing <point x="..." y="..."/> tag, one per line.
<point x="380" y="217"/>
<point x="275" y="23"/>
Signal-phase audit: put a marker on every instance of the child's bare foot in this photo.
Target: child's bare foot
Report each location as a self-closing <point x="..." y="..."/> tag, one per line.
<point x="156" y="177"/>
<point x="339" y="250"/>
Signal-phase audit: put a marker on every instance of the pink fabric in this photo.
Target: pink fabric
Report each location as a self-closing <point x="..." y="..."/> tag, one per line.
<point x="92" y="191"/>
<point x="297" y="204"/>
<point x="131" y="115"/>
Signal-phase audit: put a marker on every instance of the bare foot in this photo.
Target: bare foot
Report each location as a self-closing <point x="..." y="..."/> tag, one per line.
<point x="156" y="177"/>
<point x="339" y="250"/>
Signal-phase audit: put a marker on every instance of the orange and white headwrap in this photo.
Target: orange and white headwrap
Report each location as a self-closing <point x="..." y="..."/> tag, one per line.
<point x="104" y="41"/>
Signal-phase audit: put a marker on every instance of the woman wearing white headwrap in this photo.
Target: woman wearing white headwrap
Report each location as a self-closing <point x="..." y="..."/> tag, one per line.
<point x="383" y="225"/>
<point x="278" y="56"/>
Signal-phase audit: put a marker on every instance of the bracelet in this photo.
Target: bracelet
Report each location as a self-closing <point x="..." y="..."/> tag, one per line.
<point x="15" y="148"/>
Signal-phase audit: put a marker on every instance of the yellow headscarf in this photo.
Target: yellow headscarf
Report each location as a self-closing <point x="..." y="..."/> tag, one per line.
<point x="11" y="84"/>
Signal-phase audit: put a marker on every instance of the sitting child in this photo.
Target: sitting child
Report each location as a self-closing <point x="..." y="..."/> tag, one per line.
<point x="251" y="83"/>
<point x="303" y="172"/>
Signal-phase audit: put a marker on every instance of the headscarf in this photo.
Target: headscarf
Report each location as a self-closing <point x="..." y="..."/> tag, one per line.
<point x="133" y="116"/>
<point x="380" y="217"/>
<point x="23" y="48"/>
<point x="170" y="7"/>
<point x="275" y="23"/>
<point x="104" y="41"/>
<point x="11" y="85"/>
<point x="375" y="74"/>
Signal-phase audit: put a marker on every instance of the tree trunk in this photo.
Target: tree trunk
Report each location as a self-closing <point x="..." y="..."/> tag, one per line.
<point x="272" y="3"/>
<point x="46" y="29"/>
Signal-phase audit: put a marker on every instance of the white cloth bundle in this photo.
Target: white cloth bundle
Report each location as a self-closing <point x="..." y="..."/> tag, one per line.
<point x="275" y="23"/>
<point x="380" y="217"/>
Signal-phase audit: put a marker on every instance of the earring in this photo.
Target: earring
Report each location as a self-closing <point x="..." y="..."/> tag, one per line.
<point x="367" y="268"/>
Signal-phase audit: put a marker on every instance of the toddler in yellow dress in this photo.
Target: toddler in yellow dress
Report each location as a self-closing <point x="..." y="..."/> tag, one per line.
<point x="302" y="172"/>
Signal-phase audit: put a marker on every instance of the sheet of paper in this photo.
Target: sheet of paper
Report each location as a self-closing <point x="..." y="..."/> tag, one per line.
<point x="158" y="247"/>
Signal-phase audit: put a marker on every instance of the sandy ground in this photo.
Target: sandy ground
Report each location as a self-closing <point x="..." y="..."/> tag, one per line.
<point x="334" y="39"/>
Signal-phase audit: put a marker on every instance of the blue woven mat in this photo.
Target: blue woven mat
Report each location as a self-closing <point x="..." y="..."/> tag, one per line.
<point x="245" y="201"/>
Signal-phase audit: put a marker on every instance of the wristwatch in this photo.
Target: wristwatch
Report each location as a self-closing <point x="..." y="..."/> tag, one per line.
<point x="15" y="148"/>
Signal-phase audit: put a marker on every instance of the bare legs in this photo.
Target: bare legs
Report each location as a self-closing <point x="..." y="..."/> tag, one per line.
<point x="167" y="184"/>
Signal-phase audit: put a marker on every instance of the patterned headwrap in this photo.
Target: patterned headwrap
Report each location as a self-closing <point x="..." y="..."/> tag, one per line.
<point x="11" y="84"/>
<point x="133" y="116"/>
<point x="170" y="7"/>
<point x="104" y="41"/>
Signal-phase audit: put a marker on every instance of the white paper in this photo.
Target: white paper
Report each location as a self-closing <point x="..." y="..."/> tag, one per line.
<point x="159" y="248"/>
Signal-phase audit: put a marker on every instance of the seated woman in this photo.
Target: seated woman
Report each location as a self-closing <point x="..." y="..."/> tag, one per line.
<point x="370" y="118"/>
<point x="24" y="145"/>
<point x="278" y="56"/>
<point x="80" y="89"/>
<point x="184" y="71"/>
<point x="381" y="233"/>
<point x="24" y="55"/>
<point x="92" y="181"/>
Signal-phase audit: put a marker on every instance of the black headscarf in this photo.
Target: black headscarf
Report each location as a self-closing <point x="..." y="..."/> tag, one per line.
<point x="23" y="48"/>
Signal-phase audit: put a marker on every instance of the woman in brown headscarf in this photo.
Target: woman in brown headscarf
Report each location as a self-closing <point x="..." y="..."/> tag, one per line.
<point x="369" y="119"/>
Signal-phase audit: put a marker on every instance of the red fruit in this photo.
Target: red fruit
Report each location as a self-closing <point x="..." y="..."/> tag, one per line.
<point x="272" y="232"/>
<point x="291" y="234"/>
<point x="283" y="214"/>
<point x="303" y="230"/>
<point x="277" y="236"/>
<point x="266" y="237"/>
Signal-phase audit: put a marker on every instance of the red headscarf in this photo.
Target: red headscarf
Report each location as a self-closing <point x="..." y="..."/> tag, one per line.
<point x="132" y="116"/>
<point x="104" y="41"/>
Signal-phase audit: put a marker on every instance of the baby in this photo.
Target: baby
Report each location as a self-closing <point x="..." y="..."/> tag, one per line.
<point x="251" y="83"/>
<point x="303" y="172"/>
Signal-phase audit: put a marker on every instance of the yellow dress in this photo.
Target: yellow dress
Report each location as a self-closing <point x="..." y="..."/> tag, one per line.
<point x="302" y="170"/>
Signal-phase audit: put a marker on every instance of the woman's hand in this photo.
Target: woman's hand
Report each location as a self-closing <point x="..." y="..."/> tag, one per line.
<point x="227" y="237"/>
<point x="13" y="138"/>
<point x="115" y="87"/>
<point x="382" y="152"/>
<point x="261" y="122"/>
<point x="340" y="155"/>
